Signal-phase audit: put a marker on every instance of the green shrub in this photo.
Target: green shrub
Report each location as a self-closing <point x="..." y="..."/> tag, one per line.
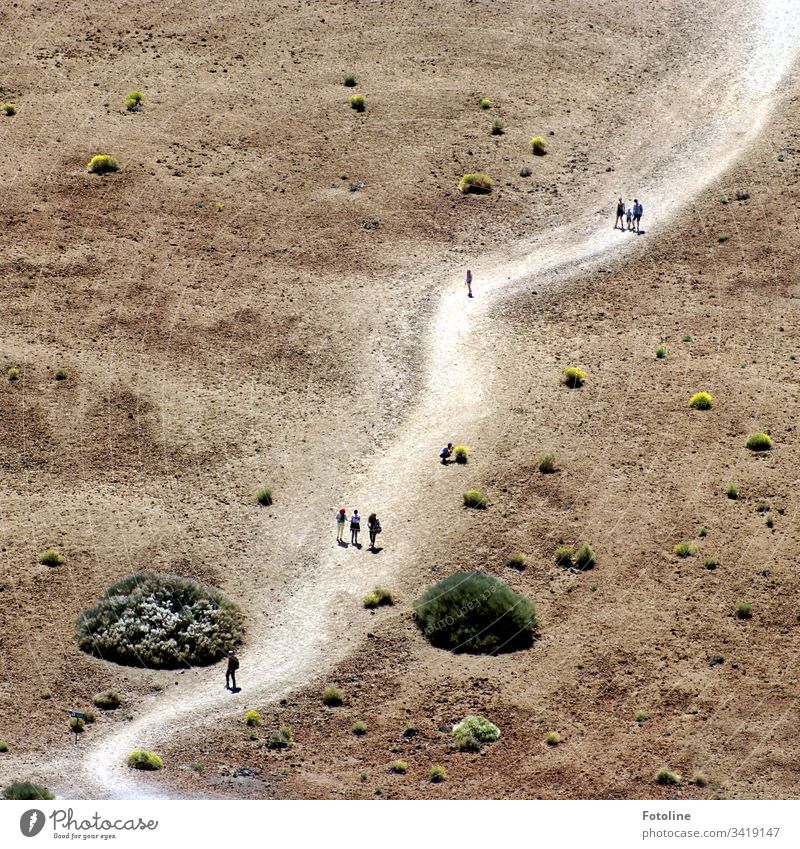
<point x="198" y="767"/>
<point x="584" y="557"/>
<point x="485" y="103"/>
<point x="461" y="453"/>
<point x="711" y="563"/>
<point x="332" y="696"/>
<point x="8" y="109"/>
<point x="142" y="759"/>
<point x="280" y="739"/>
<point x="107" y="700"/>
<point x="759" y="442"/>
<point x="538" y="146"/>
<point x="264" y="496"/>
<point x="701" y="401"/>
<point x="61" y="374"/>
<point x="473" y="731"/>
<point x="769" y="520"/>
<point x="497" y="127"/>
<point x="744" y="610"/>
<point x="410" y="730"/>
<point x="685" y="549"/>
<point x="90" y="716"/>
<point x="77" y="725"/>
<point x="474" y="612"/>
<point x="686" y="338"/>
<point x="574" y="377"/>
<point x="102" y="164"/>
<point x="13" y="374"/>
<point x="45" y="695"/>
<point x="3" y="746"/>
<point x="476" y="183"/>
<point x="702" y="532"/>
<point x="350" y="80"/>
<point x="161" y="621"/>
<point x="641" y="716"/>
<point x="732" y="491"/>
<point x="475" y="499"/>
<point x="51" y="557"/>
<point x="252" y="718"/>
<point x="516" y="561"/>
<point x="379" y="597"/>
<point x="133" y="101"/>
<point x="563" y="556"/>
<point x="553" y="738"/>
<point x="547" y="464"/>
<point x="661" y="352"/>
<point x="357" y="102"/>
<point x="359" y="728"/>
<point x="665" y="776"/>
<point x="400" y="767"/>
<point x="26" y="790"/>
<point x="437" y="774"/>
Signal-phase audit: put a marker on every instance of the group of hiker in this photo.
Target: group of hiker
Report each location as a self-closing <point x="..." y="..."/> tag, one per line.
<point x="632" y="215"/>
<point x="373" y="526"/>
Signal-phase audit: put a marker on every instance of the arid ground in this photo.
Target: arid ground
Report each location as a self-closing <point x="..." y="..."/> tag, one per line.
<point x="270" y="292"/>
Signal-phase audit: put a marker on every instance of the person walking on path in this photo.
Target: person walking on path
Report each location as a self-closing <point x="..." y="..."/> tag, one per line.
<point x="374" y="527"/>
<point x="468" y="283"/>
<point x="341" y="518"/>
<point x="620" y="214"/>
<point x="638" y="211"/>
<point x="629" y="218"/>
<point x="230" y="672"/>
<point x="355" y="527"/>
<point x="446" y="453"/>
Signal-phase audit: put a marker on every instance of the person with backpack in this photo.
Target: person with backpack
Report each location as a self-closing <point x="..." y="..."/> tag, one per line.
<point x="355" y="527"/>
<point x="374" y="527"/>
<point x="446" y="453"/>
<point x="638" y="211"/>
<point x="341" y="518"/>
<point x="620" y="214"/>
<point x="230" y="672"/>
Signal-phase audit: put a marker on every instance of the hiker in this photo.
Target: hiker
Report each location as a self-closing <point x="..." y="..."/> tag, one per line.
<point x="341" y="517"/>
<point x="469" y="283"/>
<point x="638" y="210"/>
<point x="355" y="527"/>
<point x="230" y="672"/>
<point x="446" y="453"/>
<point x="374" y="527"/>
<point x="620" y="214"/>
<point x="629" y="218"/>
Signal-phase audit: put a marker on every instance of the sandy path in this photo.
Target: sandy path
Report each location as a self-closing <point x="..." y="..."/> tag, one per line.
<point x="296" y="645"/>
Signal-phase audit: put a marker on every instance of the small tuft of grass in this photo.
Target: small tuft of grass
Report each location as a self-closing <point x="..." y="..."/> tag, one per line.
<point x="437" y="774"/>
<point x="102" y="164"/>
<point x="264" y="496"/>
<point x="51" y="557"/>
<point x="198" y="767"/>
<point x="547" y="464"/>
<point x="702" y="532"/>
<point x="332" y="696"/>
<point x="474" y="498"/>
<point x="107" y="700"/>
<point x="584" y="557"/>
<point x="701" y="401"/>
<point x="759" y="442"/>
<point x="475" y="183"/>
<point x="686" y="338"/>
<point x="685" y="549"/>
<point x="711" y="563"/>
<point x="357" y="102"/>
<point x="732" y="491"/>
<point x="349" y="80"/>
<point x="516" y="561"/>
<point x="524" y="171"/>
<point x="744" y="610"/>
<point x="461" y="453"/>
<point x="538" y="146"/>
<point x="410" y="730"/>
<point x="700" y="780"/>
<point x="61" y="374"/>
<point x="563" y="556"/>
<point x="399" y="767"/>
<point x="90" y="716"/>
<point x="641" y="716"/>
<point x="142" y="759"/>
<point x="77" y="725"/>
<point x="553" y="738"/>
<point x="26" y="790"/>
<point x="484" y="103"/>
<point x="3" y="746"/>
<point x="379" y="597"/>
<point x="573" y="377"/>
<point x="13" y="374"/>
<point x="8" y="109"/>
<point x="133" y="101"/>
<point x="45" y="695"/>
<point x="661" y="352"/>
<point x="769" y="520"/>
<point x="359" y="728"/>
<point x="498" y="127"/>
<point x="252" y="718"/>
<point x="666" y="776"/>
<point x="280" y="739"/>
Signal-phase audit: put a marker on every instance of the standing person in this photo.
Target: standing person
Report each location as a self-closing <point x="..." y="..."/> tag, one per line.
<point x="355" y="527"/>
<point x="638" y="211"/>
<point x="620" y="214"/>
<point x="230" y="672"/>
<point x="341" y="517"/>
<point x="374" y="527"/>
<point x="629" y="218"/>
<point x="468" y="283"/>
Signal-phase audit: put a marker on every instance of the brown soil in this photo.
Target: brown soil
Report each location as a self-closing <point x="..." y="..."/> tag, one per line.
<point x="276" y="340"/>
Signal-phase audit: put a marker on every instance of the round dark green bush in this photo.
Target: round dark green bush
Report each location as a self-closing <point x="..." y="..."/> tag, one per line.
<point x="161" y="621"/>
<point x="20" y="790"/>
<point x="474" y="612"/>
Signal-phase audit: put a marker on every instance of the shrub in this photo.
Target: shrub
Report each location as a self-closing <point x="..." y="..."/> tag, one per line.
<point x="133" y="101"/>
<point x="107" y="700"/>
<point x="685" y="549"/>
<point x="8" y="109"/>
<point x="769" y="520"/>
<point x="700" y="780"/>
<point x="26" y="790"/>
<point x="379" y="597"/>
<point x="538" y="146"/>
<point x="732" y="491"/>
<point x="400" y="767"/>
<point x="410" y="730"/>
<point x="473" y="731"/>
<point x="574" y="377"/>
<point x="61" y="374"/>
<point x="252" y="718"/>
<point x="474" y="498"/>
<point x="461" y="453"/>
<point x="701" y="401"/>
<point x="665" y="776"/>
<point x="759" y="442"/>
<point x="563" y="556"/>
<point x="437" y="774"/>
<point x="702" y="532"/>
<point x="13" y="374"/>
<point x="280" y="739"/>
<point x="661" y="352"/>
<point x="516" y="561"/>
<point x="641" y="716"/>
<point x="77" y="725"/>
<point x="547" y="464"/>
<point x="332" y="696"/>
<point x="51" y="557"/>
<point x="90" y="716"/>
<point x="3" y="746"/>
<point x="45" y="695"/>
<point x="474" y="612"/>
<point x="484" y="103"/>
<point x="584" y="557"/>
<point x="762" y="507"/>
<point x="711" y="563"/>
<point x="476" y="183"/>
<point x="102" y="164"/>
<point x="744" y="610"/>
<point x="350" y="80"/>
<point x="142" y="759"/>
<point x="161" y="621"/>
<point x="359" y="728"/>
<point x="686" y="338"/>
<point x="553" y="738"/>
<point x="357" y="102"/>
<point x="524" y="171"/>
<point x="264" y="496"/>
<point x="497" y="127"/>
